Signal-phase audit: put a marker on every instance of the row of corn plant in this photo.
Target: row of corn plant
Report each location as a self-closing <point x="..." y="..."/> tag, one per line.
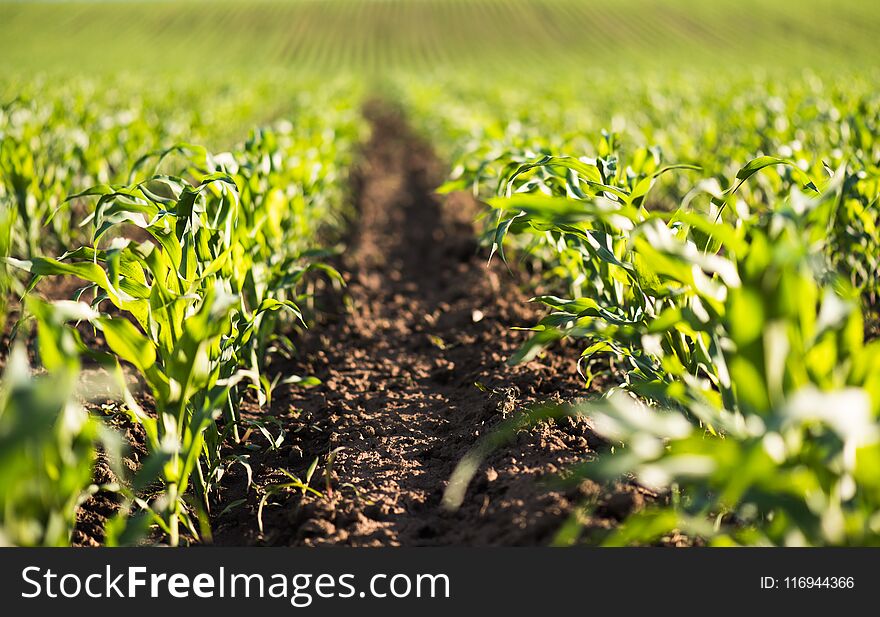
<point x="731" y="310"/>
<point x="783" y="438"/>
<point x="747" y="385"/>
<point x="718" y="122"/>
<point x="194" y="299"/>
<point x="788" y="454"/>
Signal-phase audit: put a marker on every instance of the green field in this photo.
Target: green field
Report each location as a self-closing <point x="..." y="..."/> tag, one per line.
<point x="378" y="35"/>
<point x="686" y="190"/>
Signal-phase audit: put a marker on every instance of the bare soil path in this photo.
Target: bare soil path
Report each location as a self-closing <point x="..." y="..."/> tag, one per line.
<point x="427" y="320"/>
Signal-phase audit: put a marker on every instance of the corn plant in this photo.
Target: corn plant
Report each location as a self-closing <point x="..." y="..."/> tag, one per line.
<point x="180" y="330"/>
<point x="793" y="460"/>
<point x="232" y="243"/>
<point x="199" y="299"/>
<point x="750" y="387"/>
<point x="47" y="440"/>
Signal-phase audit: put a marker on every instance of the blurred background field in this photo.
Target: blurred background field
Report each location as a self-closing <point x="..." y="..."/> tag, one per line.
<point x="372" y="36"/>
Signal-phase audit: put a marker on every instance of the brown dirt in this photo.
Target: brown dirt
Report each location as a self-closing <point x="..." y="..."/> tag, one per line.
<point x="426" y="321"/>
<point x="93" y="514"/>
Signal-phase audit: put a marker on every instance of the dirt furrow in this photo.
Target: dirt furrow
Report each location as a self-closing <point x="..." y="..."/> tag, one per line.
<point x="413" y="373"/>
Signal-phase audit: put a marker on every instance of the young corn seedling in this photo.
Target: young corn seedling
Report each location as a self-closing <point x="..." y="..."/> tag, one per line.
<point x="752" y="391"/>
<point x="48" y="442"/>
<point x="180" y="333"/>
<point x="794" y="459"/>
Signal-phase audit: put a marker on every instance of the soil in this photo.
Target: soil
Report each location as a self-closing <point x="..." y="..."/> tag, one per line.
<point x="413" y="373"/>
<point x="94" y="513"/>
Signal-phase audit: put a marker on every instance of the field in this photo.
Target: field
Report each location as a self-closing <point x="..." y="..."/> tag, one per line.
<point x="440" y="272"/>
<point x="377" y="35"/>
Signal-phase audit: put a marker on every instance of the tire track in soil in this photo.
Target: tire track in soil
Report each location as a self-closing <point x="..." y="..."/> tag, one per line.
<point x="426" y="320"/>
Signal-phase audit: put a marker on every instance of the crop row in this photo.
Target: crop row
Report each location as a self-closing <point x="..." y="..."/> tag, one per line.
<point x="725" y="291"/>
<point x="192" y="269"/>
